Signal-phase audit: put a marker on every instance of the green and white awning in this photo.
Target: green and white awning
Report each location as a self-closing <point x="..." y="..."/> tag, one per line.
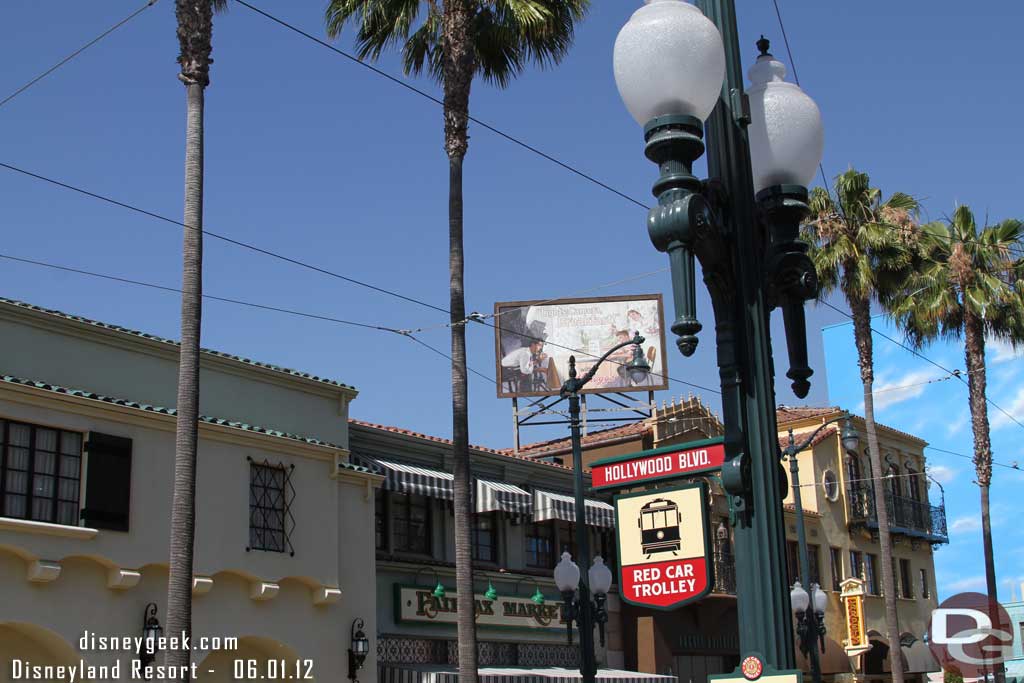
<point x="405" y="478"/>
<point x="550" y="505"/>
<point x="492" y="496"/>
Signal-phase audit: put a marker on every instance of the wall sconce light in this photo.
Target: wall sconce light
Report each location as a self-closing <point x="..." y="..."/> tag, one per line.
<point x="358" y="649"/>
<point x="439" y="590"/>
<point x="151" y="632"/>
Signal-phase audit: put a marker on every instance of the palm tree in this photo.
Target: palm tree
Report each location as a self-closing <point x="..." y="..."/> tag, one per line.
<point x="969" y="286"/>
<point x="860" y="247"/>
<point x="195" y="33"/>
<point x="456" y="41"/>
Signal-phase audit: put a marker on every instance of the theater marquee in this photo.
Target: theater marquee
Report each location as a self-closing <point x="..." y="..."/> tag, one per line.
<point x="419" y="604"/>
<point x="663" y="546"/>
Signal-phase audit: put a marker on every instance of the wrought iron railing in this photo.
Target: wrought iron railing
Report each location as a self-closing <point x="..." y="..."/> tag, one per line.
<point x="725" y="573"/>
<point x="906" y="515"/>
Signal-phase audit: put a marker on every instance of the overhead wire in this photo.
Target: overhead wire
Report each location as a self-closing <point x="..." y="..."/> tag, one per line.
<point x="957" y="373"/>
<point x="77" y="52"/>
<point x="439" y="101"/>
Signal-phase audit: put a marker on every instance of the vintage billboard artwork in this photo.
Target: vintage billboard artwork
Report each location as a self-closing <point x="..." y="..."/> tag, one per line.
<point x="534" y="339"/>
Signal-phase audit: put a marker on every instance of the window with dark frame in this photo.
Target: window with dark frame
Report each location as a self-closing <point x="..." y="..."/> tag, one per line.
<point x="485" y="537"/>
<point x="609" y="553"/>
<point x="906" y="584"/>
<point x="566" y="535"/>
<point x="836" y="565"/>
<point x="792" y="562"/>
<point x="871" y="575"/>
<point x="40" y="473"/>
<point x="270" y="498"/>
<point x="410" y="523"/>
<point x="380" y="519"/>
<point x="925" y="593"/>
<point x="540" y="545"/>
<point x="857" y="564"/>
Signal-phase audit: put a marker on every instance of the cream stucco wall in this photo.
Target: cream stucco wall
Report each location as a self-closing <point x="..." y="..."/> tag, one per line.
<point x="58" y="581"/>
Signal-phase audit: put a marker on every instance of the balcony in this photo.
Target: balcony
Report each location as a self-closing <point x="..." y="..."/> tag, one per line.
<point x="907" y="516"/>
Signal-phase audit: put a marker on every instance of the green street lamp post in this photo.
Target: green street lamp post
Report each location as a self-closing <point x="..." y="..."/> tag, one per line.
<point x="675" y="67"/>
<point x="575" y="581"/>
<point x="811" y="601"/>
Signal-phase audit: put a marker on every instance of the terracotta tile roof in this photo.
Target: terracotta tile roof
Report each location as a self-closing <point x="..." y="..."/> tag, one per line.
<point x="539" y="448"/>
<point x="7" y="379"/>
<point x="784" y="414"/>
<point x="789" y="507"/>
<point x="506" y="452"/>
<point x="798" y="437"/>
<point x="153" y="337"/>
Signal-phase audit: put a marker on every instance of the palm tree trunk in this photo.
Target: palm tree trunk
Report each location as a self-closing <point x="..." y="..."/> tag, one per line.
<point x="458" y="79"/>
<point x="183" y="505"/>
<point x="861" y="309"/>
<point x="974" y="351"/>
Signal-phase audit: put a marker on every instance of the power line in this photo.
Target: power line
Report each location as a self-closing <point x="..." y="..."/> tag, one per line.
<point x="76" y="53"/>
<point x="297" y="262"/>
<point x="224" y="238"/>
<point x="438" y="101"/>
<point x="1014" y="466"/>
<point x="445" y="355"/>
<point x="958" y="374"/>
<point x="237" y="302"/>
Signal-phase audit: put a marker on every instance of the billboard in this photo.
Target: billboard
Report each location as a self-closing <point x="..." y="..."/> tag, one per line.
<point x="534" y="339"/>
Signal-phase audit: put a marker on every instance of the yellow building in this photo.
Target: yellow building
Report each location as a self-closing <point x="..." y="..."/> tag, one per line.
<point x="841" y="527"/>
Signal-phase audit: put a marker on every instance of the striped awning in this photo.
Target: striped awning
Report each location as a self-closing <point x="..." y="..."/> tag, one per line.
<point x="404" y="478"/>
<point x="495" y="495"/>
<point x="549" y="505"/>
<point x="512" y="674"/>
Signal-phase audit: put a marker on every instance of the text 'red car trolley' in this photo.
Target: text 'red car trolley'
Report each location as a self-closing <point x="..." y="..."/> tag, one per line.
<point x="659" y="526"/>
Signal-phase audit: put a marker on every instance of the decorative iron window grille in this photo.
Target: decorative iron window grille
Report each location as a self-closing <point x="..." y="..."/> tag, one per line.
<point x="271" y="495"/>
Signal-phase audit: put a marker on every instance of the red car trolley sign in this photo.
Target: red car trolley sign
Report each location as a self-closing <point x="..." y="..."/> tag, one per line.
<point x="663" y="546"/>
<point x="658" y="464"/>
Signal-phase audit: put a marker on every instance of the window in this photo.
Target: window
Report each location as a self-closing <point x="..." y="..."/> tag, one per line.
<point x="540" y="547"/>
<point x="924" y="583"/>
<point x="485" y="537"/>
<point x="41" y="470"/>
<point x="793" y="563"/>
<point x="871" y="575"/>
<point x="893" y="480"/>
<point x="830" y="484"/>
<point x="380" y="519"/>
<point x="906" y="585"/>
<point x="913" y="484"/>
<point x="836" y="563"/>
<point x="270" y="497"/>
<point x="410" y="523"/>
<point x="566" y="539"/>
<point x="853" y="472"/>
<point x="857" y="564"/>
<point x="608" y="552"/>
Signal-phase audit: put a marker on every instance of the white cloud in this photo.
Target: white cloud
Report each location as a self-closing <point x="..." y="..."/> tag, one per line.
<point x="1014" y="407"/>
<point x="999" y="351"/>
<point x="942" y="473"/>
<point x="968" y="583"/>
<point x="969" y="523"/>
<point x="905" y="387"/>
<point x="958" y="422"/>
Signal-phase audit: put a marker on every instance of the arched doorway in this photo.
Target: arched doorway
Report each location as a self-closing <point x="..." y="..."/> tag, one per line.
<point x="255" y="658"/>
<point x="34" y="644"/>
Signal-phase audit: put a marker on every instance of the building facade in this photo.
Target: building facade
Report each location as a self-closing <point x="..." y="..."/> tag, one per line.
<point x="284" y="553"/>
<point x="523" y="519"/>
<point x="839" y="515"/>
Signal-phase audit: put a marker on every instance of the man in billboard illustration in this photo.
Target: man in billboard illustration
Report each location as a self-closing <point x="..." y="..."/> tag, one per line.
<point x="971" y="633"/>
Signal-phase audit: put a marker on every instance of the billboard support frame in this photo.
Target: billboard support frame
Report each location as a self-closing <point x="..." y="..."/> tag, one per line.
<point x="525" y="417"/>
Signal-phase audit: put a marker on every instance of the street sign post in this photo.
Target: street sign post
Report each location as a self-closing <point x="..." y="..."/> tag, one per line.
<point x="663" y="546"/>
<point x="658" y="464"/>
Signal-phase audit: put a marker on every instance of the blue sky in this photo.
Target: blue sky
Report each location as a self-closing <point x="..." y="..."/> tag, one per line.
<point x="917" y="397"/>
<point x="319" y="159"/>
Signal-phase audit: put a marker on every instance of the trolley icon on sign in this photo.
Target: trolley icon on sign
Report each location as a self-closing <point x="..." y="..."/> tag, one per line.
<point x="659" y="527"/>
